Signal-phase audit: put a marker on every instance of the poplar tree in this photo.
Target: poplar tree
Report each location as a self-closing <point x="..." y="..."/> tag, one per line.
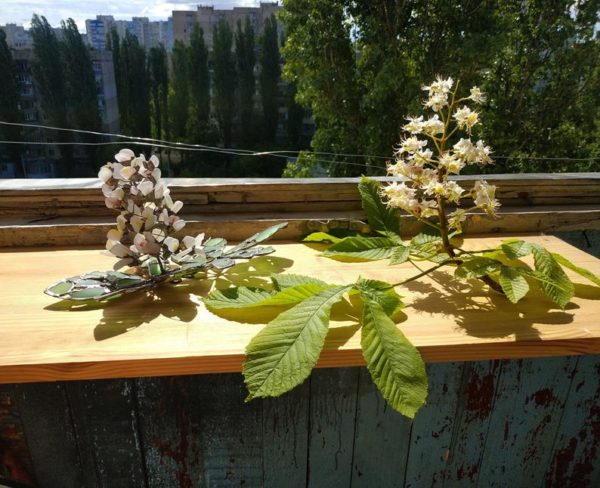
<point x="80" y="84"/>
<point x="199" y="86"/>
<point x="269" y="77"/>
<point x="224" y="80"/>
<point x="48" y="71"/>
<point x="9" y="108"/>
<point x="179" y="91"/>
<point x="133" y="74"/>
<point x="245" y="61"/>
<point x="159" y="91"/>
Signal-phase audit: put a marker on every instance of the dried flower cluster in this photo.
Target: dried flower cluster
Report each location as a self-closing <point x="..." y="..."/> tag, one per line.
<point x="148" y="218"/>
<point x="424" y="159"/>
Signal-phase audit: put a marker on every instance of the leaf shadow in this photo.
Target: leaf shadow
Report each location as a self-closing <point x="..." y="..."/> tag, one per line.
<point x="470" y="302"/>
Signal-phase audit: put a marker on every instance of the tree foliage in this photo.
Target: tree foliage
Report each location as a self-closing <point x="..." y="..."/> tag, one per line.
<point x="9" y="97"/>
<point x="359" y="65"/>
<point x="224" y="80"/>
<point x="199" y="86"/>
<point x="245" y="61"/>
<point x="158" y="72"/>
<point x="269" y="77"/>
<point x="80" y="85"/>
<point x="48" y="71"/>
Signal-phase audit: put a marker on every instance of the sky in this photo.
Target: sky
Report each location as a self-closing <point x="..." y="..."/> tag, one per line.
<point x="20" y="11"/>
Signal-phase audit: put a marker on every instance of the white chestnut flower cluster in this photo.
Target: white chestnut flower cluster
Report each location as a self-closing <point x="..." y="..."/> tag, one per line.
<point x="148" y="215"/>
<point x="426" y="159"/>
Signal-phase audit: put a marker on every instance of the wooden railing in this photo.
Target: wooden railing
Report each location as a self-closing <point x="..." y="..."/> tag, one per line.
<point x="71" y="211"/>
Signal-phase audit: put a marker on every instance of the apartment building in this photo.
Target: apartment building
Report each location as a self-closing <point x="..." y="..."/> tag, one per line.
<point x="148" y="33"/>
<point x="207" y="17"/>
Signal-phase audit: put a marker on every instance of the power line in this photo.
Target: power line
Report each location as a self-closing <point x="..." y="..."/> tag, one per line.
<point x="144" y="141"/>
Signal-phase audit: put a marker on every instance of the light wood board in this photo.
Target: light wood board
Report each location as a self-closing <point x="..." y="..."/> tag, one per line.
<point x="171" y="333"/>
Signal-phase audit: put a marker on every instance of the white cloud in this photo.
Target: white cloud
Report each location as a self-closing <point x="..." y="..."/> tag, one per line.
<point x="21" y="11"/>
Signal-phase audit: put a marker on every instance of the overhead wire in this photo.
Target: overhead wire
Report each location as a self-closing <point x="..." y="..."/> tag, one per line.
<point x="182" y="146"/>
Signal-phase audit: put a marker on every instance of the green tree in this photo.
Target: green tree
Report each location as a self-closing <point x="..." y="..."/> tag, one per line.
<point x="224" y="80"/>
<point x="199" y="86"/>
<point x="544" y="86"/>
<point x="9" y="99"/>
<point x="48" y="71"/>
<point x="269" y="77"/>
<point x="179" y="91"/>
<point x="245" y="61"/>
<point x="359" y="65"/>
<point x="80" y="84"/>
<point x="159" y="91"/>
<point x="134" y="88"/>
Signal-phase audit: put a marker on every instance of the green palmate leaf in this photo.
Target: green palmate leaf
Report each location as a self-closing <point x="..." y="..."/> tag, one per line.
<point x="361" y="249"/>
<point x="379" y="215"/>
<point x="400" y="254"/>
<point x="282" y="281"/>
<point x="516" y="249"/>
<point x="381" y="292"/>
<point x="476" y="267"/>
<point x="321" y="237"/>
<point x="236" y="297"/>
<point x="581" y="271"/>
<point x="513" y="284"/>
<point x="282" y="355"/>
<point x="553" y="280"/>
<point x="394" y="363"/>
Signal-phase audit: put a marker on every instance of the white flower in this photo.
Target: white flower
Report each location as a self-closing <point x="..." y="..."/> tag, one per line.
<point x="477" y="95"/>
<point x="156" y="174"/>
<point x="411" y="145"/>
<point x="145" y="187"/>
<point x="124" y="155"/>
<point x="171" y="243"/>
<point x="466" y="151"/>
<point x="121" y="222"/>
<point x="154" y="160"/>
<point x="107" y="190"/>
<point x="483" y="153"/>
<point x="117" y="167"/>
<point x="127" y="172"/>
<point x="189" y="242"/>
<point x="137" y="223"/>
<point x="158" y="234"/>
<point x="415" y="125"/>
<point x="149" y="217"/>
<point x="422" y="157"/>
<point x="456" y="218"/>
<point x="450" y="163"/>
<point x="117" y="249"/>
<point x="177" y="206"/>
<point x="437" y="101"/>
<point x="178" y="224"/>
<point x="466" y="118"/>
<point x="199" y="239"/>
<point x="160" y="189"/>
<point x="114" y="235"/>
<point x="433" y="126"/>
<point x="439" y="86"/>
<point x="164" y="216"/>
<point x="453" y="191"/>
<point x="484" y="197"/>
<point x="105" y="174"/>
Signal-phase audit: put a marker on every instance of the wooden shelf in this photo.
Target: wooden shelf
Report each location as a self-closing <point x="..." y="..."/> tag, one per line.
<point x="171" y="333"/>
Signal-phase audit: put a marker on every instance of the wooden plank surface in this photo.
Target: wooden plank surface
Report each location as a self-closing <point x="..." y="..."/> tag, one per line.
<point x="170" y="332"/>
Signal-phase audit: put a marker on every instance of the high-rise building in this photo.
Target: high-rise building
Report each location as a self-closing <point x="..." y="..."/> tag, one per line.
<point x="98" y="29"/>
<point x="207" y="17"/>
<point x="148" y="33"/>
<point x="17" y="37"/>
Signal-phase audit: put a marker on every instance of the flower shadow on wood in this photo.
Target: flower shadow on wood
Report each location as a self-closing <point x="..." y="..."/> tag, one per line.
<point x="483" y="313"/>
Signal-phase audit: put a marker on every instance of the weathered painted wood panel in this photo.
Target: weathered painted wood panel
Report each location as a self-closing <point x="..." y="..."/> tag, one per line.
<point x="533" y="421"/>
